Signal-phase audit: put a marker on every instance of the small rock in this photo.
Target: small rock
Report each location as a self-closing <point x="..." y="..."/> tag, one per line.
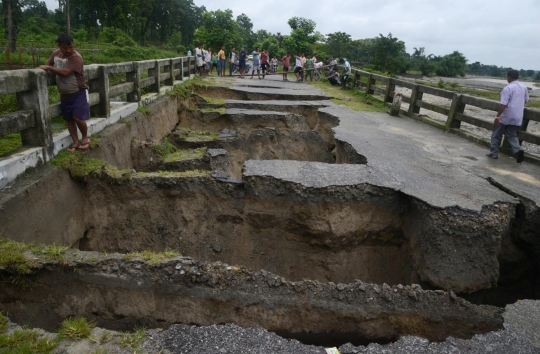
<point x="453" y="296"/>
<point x="341" y="287"/>
<point x="178" y="266"/>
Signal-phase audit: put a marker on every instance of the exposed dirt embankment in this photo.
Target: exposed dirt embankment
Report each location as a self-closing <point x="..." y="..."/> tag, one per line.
<point x="120" y="294"/>
<point x="338" y="234"/>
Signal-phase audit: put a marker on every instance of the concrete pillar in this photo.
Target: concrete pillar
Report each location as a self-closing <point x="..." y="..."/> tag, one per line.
<point x="416" y="95"/>
<point x="155" y="72"/>
<point x="371" y="82"/>
<point x="182" y="75"/>
<point x="455" y="107"/>
<point x="101" y="86"/>
<point x="390" y="88"/>
<point x="37" y="100"/>
<point x="170" y="80"/>
<point x="135" y="77"/>
<point x="396" y="104"/>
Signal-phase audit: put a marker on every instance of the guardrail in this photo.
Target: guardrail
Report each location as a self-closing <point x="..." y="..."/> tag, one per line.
<point x="34" y="113"/>
<point x="455" y="113"/>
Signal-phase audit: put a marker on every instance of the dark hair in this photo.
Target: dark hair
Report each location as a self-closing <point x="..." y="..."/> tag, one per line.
<point x="513" y="74"/>
<point x="64" y="39"/>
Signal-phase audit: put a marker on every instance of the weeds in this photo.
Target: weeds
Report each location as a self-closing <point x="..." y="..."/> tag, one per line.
<point x="165" y="148"/>
<point x="76" y="328"/>
<point x="221" y="111"/>
<point x="144" y="110"/>
<point x="79" y="165"/>
<point x="152" y="257"/>
<point x="133" y="340"/>
<point x="26" y="342"/>
<point x="10" y="142"/>
<point x="193" y="136"/>
<point x="3" y="322"/>
<point x="12" y="254"/>
<point x="193" y="173"/>
<point x="126" y="121"/>
<point x="181" y="155"/>
<point x="52" y="252"/>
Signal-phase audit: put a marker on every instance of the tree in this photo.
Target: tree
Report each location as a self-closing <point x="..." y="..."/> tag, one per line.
<point x="12" y="13"/>
<point x="338" y="44"/>
<point x="302" y="37"/>
<point x="452" y="65"/>
<point x="246" y="29"/>
<point x="218" y="28"/>
<point x="390" y="55"/>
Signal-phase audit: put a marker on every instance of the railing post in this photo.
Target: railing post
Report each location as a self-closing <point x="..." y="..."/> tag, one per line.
<point x="135" y="77"/>
<point x="416" y="95"/>
<point x="455" y="107"/>
<point x="182" y="75"/>
<point x="390" y="88"/>
<point x="37" y="100"/>
<point x="155" y="72"/>
<point x="355" y="80"/>
<point x="101" y="86"/>
<point x="170" y="80"/>
<point x="371" y="82"/>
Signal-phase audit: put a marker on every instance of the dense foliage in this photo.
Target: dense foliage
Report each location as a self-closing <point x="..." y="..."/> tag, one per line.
<point x="141" y="29"/>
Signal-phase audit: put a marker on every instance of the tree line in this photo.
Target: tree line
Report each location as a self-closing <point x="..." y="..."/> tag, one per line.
<point x="179" y="25"/>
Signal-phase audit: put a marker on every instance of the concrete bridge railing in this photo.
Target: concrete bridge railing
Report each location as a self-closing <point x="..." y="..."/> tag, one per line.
<point x="454" y="114"/>
<point x="34" y="112"/>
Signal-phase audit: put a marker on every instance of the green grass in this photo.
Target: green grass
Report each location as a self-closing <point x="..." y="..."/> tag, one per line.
<point x="79" y="165"/>
<point x="533" y="104"/>
<point x="26" y="342"/>
<point x="216" y="101"/>
<point x="189" y="154"/>
<point x="50" y="252"/>
<point x="12" y="254"/>
<point x="126" y="121"/>
<point x="144" y="110"/>
<point x="3" y="322"/>
<point x="221" y="111"/>
<point x="9" y="143"/>
<point x="353" y="99"/>
<point x="133" y="340"/>
<point x="152" y="257"/>
<point x="195" y="136"/>
<point x="165" y="148"/>
<point x="193" y="173"/>
<point x="76" y="328"/>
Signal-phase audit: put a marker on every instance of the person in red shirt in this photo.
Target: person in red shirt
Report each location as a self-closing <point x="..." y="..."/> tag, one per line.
<point x="68" y="66"/>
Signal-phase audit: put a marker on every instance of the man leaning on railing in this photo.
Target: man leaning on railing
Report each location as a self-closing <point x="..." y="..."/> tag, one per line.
<point x="68" y="66"/>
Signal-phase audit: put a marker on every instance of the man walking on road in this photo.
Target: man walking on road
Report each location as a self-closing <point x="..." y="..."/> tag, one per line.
<point x="510" y="116"/>
<point x="68" y="66"/>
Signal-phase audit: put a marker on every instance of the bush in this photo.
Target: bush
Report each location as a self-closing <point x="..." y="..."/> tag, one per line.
<point x="117" y="37"/>
<point x="441" y="84"/>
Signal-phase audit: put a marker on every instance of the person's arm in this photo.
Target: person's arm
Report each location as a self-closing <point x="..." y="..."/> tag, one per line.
<point x="502" y="107"/>
<point x="57" y="71"/>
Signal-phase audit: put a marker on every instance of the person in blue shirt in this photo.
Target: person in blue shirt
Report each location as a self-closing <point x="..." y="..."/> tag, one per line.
<point x="242" y="62"/>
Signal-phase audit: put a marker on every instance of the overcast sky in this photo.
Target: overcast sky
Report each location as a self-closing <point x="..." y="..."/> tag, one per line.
<point x="500" y="32"/>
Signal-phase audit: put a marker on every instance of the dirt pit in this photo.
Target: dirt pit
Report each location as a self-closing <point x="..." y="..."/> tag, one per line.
<point x="326" y="264"/>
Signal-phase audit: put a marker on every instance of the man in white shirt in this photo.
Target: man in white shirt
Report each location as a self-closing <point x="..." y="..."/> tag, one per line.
<point x="346" y="73"/>
<point x="510" y="116"/>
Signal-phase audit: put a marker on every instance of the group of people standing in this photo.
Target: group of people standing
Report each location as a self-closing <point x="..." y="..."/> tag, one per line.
<point x="304" y="66"/>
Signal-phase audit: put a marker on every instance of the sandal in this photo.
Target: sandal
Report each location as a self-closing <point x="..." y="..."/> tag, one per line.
<point x="73" y="147"/>
<point x="84" y="145"/>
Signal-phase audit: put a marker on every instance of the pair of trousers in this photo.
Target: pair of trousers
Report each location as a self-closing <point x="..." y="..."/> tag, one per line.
<point x="510" y="131"/>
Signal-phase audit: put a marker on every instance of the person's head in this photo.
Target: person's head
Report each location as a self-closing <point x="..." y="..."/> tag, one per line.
<point x="302" y="55"/>
<point x="200" y="45"/>
<point x="222" y="47"/>
<point x="65" y="44"/>
<point x="288" y="54"/>
<point x="233" y="49"/>
<point x="512" y="75"/>
<point x="209" y="49"/>
<point x="242" y="49"/>
<point x="257" y="49"/>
